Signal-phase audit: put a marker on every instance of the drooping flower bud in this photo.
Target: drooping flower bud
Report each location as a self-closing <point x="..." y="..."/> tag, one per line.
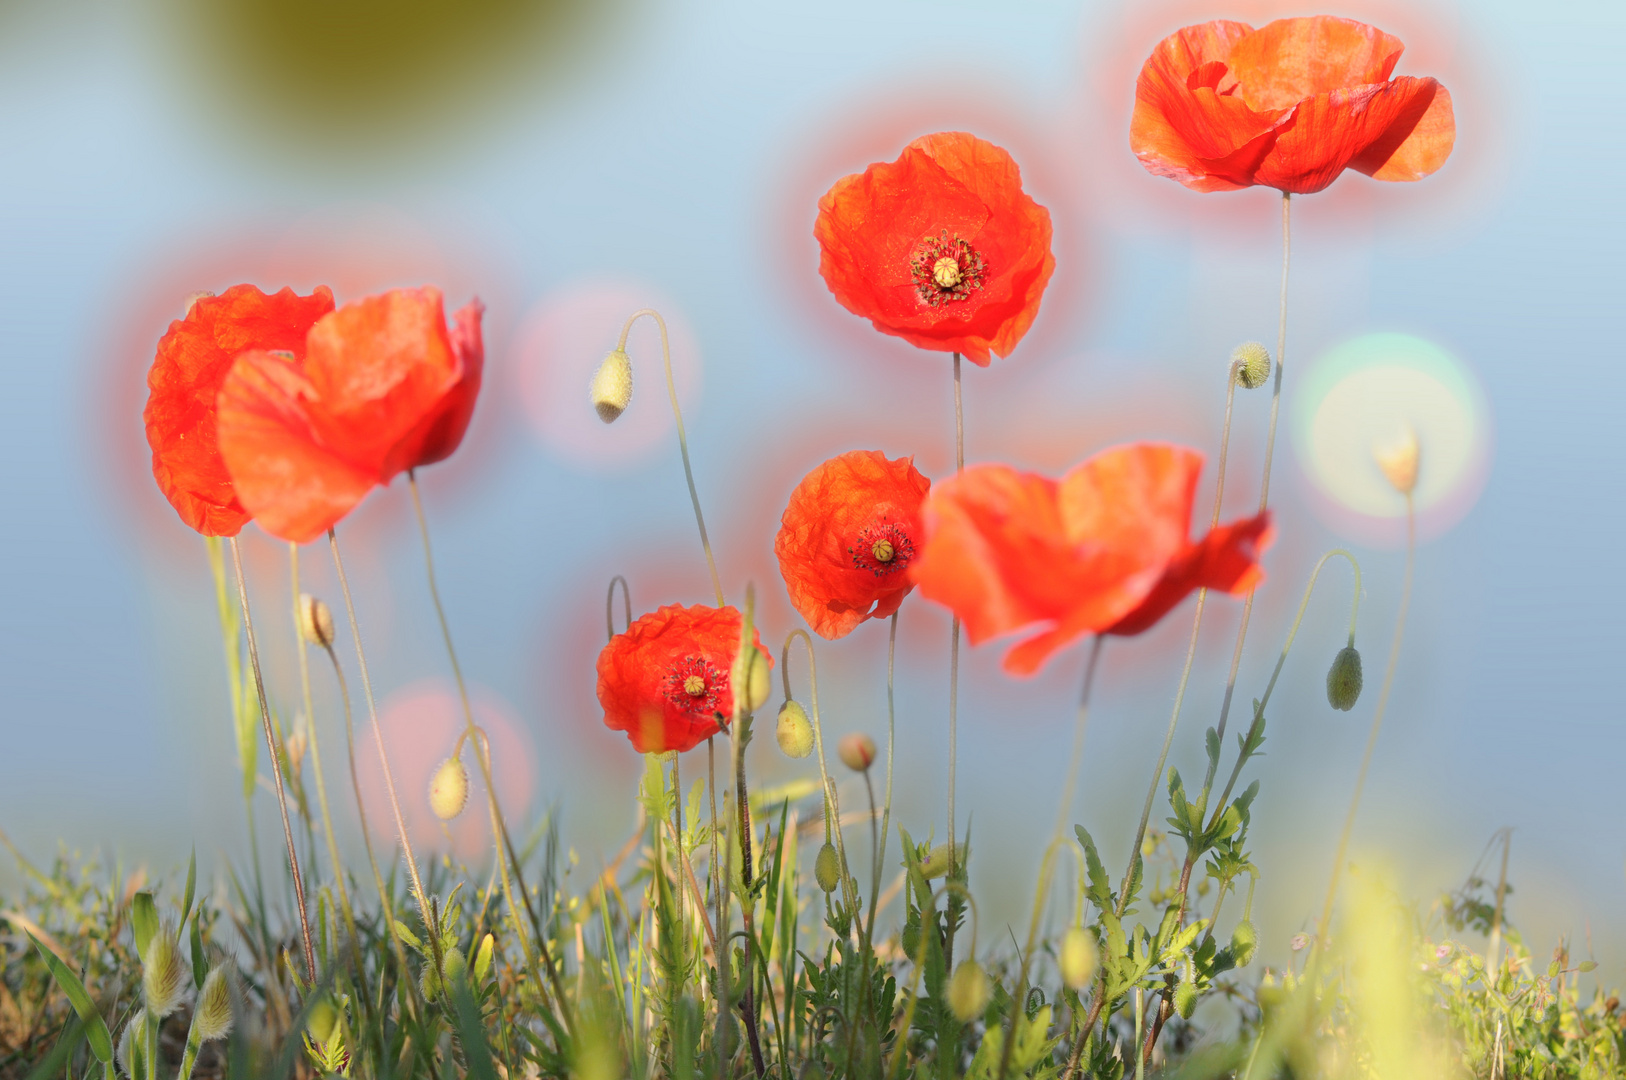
<point x="1252" y="362"/>
<point x="612" y="386"/>
<point x="759" y="683"/>
<point x="1185" y="999"/>
<point x="1344" y="679"/>
<point x="827" y="868"/>
<point x="315" y="621"/>
<point x="1078" y="959"/>
<point x="1244" y="939"/>
<point x="1398" y="460"/>
<point x="295" y="746"/>
<point x="214" y="1016"/>
<point x="968" y="991"/>
<point x="449" y="789"/>
<point x="793" y="731"/>
<point x="857" y="751"/>
<point x="163" y="975"/>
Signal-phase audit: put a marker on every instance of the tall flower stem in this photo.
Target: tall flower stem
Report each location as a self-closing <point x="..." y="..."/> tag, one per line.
<point x="954" y="664"/>
<point x="683" y="439"/>
<point x="886" y="806"/>
<point x="832" y="808"/>
<point x="276" y="771"/>
<point x="482" y="750"/>
<point x="316" y="763"/>
<point x="1318" y="946"/>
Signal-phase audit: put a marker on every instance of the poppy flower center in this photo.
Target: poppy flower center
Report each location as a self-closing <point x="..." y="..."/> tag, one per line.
<point x="883" y="548"/>
<point x="695" y="685"/>
<point x="945" y="269"/>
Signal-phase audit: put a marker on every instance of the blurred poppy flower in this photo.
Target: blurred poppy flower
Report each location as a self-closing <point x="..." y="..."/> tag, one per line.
<point x="847" y="537"/>
<point x="1291" y="105"/>
<point x="940" y="247"/>
<point x="381" y="387"/>
<point x="1104" y="550"/>
<point x="665" y="681"/>
<point x="192" y="361"/>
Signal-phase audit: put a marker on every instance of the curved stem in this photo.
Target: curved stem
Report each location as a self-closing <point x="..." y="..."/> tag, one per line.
<point x="683" y="439"/>
<point x="609" y="605"/>
<point x="1318" y="946"/>
<point x="276" y="761"/>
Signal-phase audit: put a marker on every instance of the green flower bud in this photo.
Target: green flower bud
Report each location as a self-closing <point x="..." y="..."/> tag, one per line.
<point x="321" y="1020"/>
<point x="937" y="862"/>
<point x="1244" y="939"/>
<point x="315" y="621"/>
<point x="968" y="991"/>
<point x="827" y="868"/>
<point x="1344" y="679"/>
<point x="213" y="1017"/>
<point x="456" y="965"/>
<point x="612" y="386"/>
<point x="449" y="789"/>
<point x="857" y="751"/>
<point x="1185" y="999"/>
<point x="793" y="731"/>
<point x="759" y="683"/>
<point x="1078" y="959"/>
<point x="163" y="975"/>
<point x="1252" y="362"/>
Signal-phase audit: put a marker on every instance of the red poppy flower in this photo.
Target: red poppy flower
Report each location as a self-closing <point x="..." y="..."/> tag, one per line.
<point x="847" y="538"/>
<point x="382" y="387"/>
<point x="1291" y="105"/>
<point x="192" y="361"/>
<point x="1104" y="550"/>
<point x="665" y="682"/>
<point x="940" y="247"/>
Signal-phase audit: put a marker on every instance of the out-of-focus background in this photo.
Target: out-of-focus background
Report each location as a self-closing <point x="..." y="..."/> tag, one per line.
<point x="570" y="162"/>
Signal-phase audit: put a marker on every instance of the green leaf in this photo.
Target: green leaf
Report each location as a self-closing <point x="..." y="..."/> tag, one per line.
<point x="1212" y="741"/>
<point x="1100" y="889"/>
<point x="143" y="921"/>
<point x="191" y="884"/>
<point x="101" y="1042"/>
<point x="200" y="962"/>
<point x="409" y="937"/>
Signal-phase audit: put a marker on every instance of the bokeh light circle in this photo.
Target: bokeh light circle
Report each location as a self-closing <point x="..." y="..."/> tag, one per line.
<point x="1364" y="393"/>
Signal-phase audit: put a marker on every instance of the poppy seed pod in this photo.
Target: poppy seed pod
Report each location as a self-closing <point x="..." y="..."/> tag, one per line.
<point x="759" y="682"/>
<point x="1398" y="460"/>
<point x="449" y="789"/>
<point x="827" y="868"/>
<point x="1252" y="361"/>
<point x="1244" y="939"/>
<point x="857" y="751"/>
<point x="163" y="975"/>
<point x="793" y="731"/>
<point x="1344" y="679"/>
<point x="968" y="991"/>
<point x="315" y="621"/>
<point x="1078" y="958"/>
<point x="1185" y="999"/>
<point x="214" y="1016"/>
<point x="612" y="386"/>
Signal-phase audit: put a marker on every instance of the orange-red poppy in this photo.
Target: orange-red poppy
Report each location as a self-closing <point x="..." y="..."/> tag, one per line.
<point x="192" y="361"/>
<point x="941" y="247"/>
<point x="847" y="538"/>
<point x="1222" y="106"/>
<point x="381" y="387"/>
<point x="666" y="680"/>
<point x="1104" y="550"/>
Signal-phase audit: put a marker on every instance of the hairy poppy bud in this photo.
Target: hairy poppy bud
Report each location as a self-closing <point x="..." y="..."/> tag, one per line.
<point x="612" y="386"/>
<point x="163" y="975"/>
<point x="1078" y="958"/>
<point x="449" y="789"/>
<point x="213" y="1018"/>
<point x="794" y="733"/>
<point x="827" y="868"/>
<point x="315" y="621"/>
<point x="759" y="683"/>
<point x="1344" y="679"/>
<point x="857" y="751"/>
<point x="1398" y="460"/>
<point x="1244" y="939"/>
<point x="321" y="1019"/>
<point x="968" y="991"/>
<point x="1252" y="362"/>
<point x="456" y="965"/>
<point x="1185" y="999"/>
<point x="937" y="862"/>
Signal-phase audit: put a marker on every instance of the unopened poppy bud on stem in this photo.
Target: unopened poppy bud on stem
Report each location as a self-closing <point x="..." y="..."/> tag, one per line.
<point x="1252" y="363"/>
<point x="968" y="991"/>
<point x="1185" y="999"/>
<point x="827" y="868"/>
<point x="1078" y="958"/>
<point x="793" y="731"/>
<point x="1344" y="679"/>
<point x="857" y="751"/>
<point x="759" y="683"/>
<point x="315" y="621"/>
<point x="1398" y="460"/>
<point x="612" y="386"/>
<point x="449" y="789"/>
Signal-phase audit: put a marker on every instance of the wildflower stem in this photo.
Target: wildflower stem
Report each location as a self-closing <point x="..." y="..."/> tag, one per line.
<point x="886" y="810"/>
<point x="609" y="605"/>
<point x="954" y="663"/>
<point x="683" y="439"/>
<point x="832" y="808"/>
<point x="1318" y="946"/>
<point x="276" y="769"/>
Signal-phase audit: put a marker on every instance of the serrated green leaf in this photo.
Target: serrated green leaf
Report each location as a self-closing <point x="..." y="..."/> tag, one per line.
<point x="1100" y="888"/>
<point x="101" y="1042"/>
<point x="143" y="921"/>
<point x="409" y="937"/>
<point x="1212" y="743"/>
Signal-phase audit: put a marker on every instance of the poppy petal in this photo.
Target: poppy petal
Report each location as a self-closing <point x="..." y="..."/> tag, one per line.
<point x="443" y="430"/>
<point x="1327" y="132"/>
<point x="1417" y="142"/>
<point x="1288" y="60"/>
<point x="1227" y="560"/>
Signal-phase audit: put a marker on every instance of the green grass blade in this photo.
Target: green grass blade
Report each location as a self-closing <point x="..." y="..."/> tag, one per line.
<point x="101" y="1042"/>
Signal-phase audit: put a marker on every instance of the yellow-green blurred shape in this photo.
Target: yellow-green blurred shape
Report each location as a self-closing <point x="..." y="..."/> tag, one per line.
<point x="353" y="77"/>
<point x="1361" y="394"/>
